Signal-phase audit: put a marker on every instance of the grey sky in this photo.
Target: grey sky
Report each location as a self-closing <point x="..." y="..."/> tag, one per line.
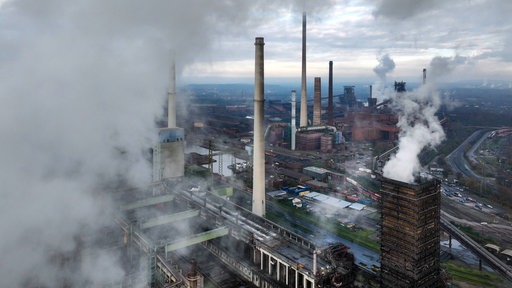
<point x="82" y="82"/>
<point x="355" y="33"/>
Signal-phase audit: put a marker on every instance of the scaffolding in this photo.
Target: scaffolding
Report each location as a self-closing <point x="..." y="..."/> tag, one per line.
<point x="410" y="248"/>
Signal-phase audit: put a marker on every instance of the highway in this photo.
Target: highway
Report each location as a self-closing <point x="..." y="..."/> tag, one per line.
<point x="458" y="162"/>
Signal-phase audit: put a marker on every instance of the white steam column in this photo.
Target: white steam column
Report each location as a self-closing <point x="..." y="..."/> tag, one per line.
<point x="258" y="174"/>
<point x="303" y="93"/>
<point x="171" y="107"/>
<point x="293" y="128"/>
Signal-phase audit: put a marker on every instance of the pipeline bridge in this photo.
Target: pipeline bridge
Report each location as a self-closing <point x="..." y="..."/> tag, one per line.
<point x="495" y="263"/>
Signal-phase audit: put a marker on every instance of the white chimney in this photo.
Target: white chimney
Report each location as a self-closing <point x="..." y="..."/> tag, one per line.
<point x="171" y="108"/>
<point x="258" y="175"/>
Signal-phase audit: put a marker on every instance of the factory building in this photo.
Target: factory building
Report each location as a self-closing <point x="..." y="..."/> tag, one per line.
<point x="308" y="140"/>
<point x="410" y="235"/>
<point x="169" y="154"/>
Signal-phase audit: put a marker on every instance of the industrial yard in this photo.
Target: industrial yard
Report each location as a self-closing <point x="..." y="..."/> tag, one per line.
<point x="332" y="180"/>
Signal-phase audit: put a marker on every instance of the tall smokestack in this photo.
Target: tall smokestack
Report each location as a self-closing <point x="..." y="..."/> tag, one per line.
<point x="171" y="94"/>
<point x="424" y="76"/>
<point x="303" y="93"/>
<point x="317" y="102"/>
<point x="372" y="102"/>
<point x="330" y="116"/>
<point x="258" y="175"/>
<point x="294" y="121"/>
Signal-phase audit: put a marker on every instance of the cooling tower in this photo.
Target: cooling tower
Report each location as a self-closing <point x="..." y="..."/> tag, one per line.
<point x="258" y="183"/>
<point x="303" y="93"/>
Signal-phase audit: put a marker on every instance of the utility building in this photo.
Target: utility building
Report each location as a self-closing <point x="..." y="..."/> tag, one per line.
<point x="169" y="155"/>
<point x="410" y="248"/>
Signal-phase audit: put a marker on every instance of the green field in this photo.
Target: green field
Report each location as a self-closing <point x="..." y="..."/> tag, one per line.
<point x="474" y="276"/>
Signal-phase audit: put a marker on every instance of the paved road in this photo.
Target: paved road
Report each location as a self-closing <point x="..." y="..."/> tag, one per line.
<point x="458" y="162"/>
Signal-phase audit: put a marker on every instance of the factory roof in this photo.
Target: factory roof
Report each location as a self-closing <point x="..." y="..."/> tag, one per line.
<point x="316" y="169"/>
<point x="331" y="201"/>
<point x="276" y="193"/>
<point x="357" y="206"/>
<point x="507" y="252"/>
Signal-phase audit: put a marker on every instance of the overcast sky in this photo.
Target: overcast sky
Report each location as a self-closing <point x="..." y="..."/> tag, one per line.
<point x="82" y="82"/>
<point x="355" y="33"/>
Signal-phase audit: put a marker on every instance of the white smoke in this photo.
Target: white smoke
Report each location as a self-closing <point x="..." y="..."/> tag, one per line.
<point x="82" y="84"/>
<point x="419" y="126"/>
<point x="443" y="66"/>
<point x="385" y="66"/>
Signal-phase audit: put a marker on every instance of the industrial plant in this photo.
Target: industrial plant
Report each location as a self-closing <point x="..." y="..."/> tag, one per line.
<point x="192" y="235"/>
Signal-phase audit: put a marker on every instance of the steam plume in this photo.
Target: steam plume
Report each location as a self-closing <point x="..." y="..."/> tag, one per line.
<point x="82" y="84"/>
<point x="419" y="126"/>
<point x="386" y="65"/>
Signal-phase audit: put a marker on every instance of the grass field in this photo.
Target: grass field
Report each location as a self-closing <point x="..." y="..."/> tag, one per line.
<point x="474" y="276"/>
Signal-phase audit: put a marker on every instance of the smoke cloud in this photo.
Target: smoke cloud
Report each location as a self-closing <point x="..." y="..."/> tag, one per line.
<point x="83" y="82"/>
<point x="443" y="66"/>
<point x="385" y="66"/>
<point x="402" y="9"/>
<point x="419" y="126"/>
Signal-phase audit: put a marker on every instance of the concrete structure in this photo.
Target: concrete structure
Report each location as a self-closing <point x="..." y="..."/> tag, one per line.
<point x="258" y="189"/>
<point x="308" y="140"/>
<point x="171" y="95"/>
<point x="317" y="173"/>
<point x="326" y="142"/>
<point x="303" y="94"/>
<point x="410" y="235"/>
<point x="330" y="116"/>
<point x="169" y="153"/>
<point x="317" y="102"/>
<point x="250" y="249"/>
<point x="349" y="96"/>
<point x="372" y="102"/>
<point x="293" y="121"/>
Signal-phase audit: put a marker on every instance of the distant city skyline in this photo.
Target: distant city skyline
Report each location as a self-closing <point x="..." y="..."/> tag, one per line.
<point x="475" y="36"/>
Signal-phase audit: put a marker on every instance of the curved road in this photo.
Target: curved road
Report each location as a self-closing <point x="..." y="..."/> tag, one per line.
<point x="458" y="162"/>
